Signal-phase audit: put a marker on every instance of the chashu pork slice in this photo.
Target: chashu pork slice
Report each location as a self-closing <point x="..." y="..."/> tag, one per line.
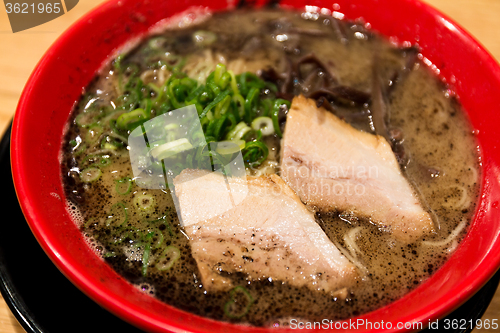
<point x="257" y="226"/>
<point x="334" y="167"/>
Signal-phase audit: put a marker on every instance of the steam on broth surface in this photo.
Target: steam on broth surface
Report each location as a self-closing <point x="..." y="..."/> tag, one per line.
<point x="360" y="77"/>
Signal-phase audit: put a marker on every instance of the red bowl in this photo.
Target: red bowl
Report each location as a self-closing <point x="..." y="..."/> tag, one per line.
<point x="70" y="64"/>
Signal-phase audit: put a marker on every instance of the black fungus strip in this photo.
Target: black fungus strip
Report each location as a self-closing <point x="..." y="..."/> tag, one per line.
<point x="399" y="75"/>
<point x="337" y="27"/>
<point x="342" y="93"/>
<point x="312" y="59"/>
<point x="379" y="107"/>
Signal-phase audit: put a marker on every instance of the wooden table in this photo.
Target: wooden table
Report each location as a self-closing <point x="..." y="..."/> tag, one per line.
<point x="21" y="51"/>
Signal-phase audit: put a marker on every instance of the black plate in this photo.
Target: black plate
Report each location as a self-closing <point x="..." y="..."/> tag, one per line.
<point x="44" y="301"/>
<point x="41" y="298"/>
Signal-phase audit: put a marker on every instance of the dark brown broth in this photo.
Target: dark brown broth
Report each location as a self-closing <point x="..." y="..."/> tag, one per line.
<point x="437" y="136"/>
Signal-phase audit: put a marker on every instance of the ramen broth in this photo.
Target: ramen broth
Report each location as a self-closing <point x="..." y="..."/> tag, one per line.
<point x="133" y="228"/>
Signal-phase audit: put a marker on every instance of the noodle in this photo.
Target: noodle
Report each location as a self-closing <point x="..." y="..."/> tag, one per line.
<point x="454" y="234"/>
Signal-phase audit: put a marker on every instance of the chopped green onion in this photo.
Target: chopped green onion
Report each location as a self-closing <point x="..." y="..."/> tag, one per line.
<point x="117" y="215"/>
<point x="159" y="242"/>
<point x="97" y="160"/>
<point x="145" y="259"/>
<point x="154" y="88"/>
<point x="229" y="147"/>
<point x="276" y="109"/>
<point x="220" y="69"/>
<point x="123" y="186"/>
<point x="109" y="146"/>
<point x="234" y="84"/>
<point x="145" y="202"/>
<point x="240" y="103"/>
<point x="224" y="80"/>
<point x="148" y="104"/>
<point x="120" y="234"/>
<point x="216" y="101"/>
<point x="240" y="143"/>
<point x="264" y="124"/>
<point x="171" y="126"/>
<point x="94" y="132"/>
<point x="167" y="225"/>
<point x="170" y="148"/>
<point x="267" y="106"/>
<point x="222" y="101"/>
<point x="222" y="107"/>
<point x="210" y="116"/>
<point x="168" y="258"/>
<point x="82" y="148"/>
<point x="104" y="161"/>
<point x="89" y="222"/>
<point x="251" y="103"/>
<point x="90" y="174"/>
<point x="118" y="67"/>
<point x="219" y="124"/>
<point x="238" y="131"/>
<point x="118" y="61"/>
<point x="113" y="115"/>
<point x="109" y="254"/>
<point x="172" y="92"/>
<point x="255" y="153"/>
<point x="239" y="303"/>
<point x="132" y="119"/>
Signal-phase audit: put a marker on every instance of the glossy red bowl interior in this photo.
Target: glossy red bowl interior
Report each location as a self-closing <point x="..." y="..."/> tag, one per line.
<point x="72" y="61"/>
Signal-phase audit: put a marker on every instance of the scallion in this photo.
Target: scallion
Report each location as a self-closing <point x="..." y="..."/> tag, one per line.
<point x="96" y="160"/>
<point x="170" y="149"/>
<point x="132" y="119"/>
<point x="229" y="147"/>
<point x="117" y="215"/>
<point x="255" y="153"/>
<point x="239" y="303"/>
<point x="145" y="202"/>
<point x="168" y="258"/>
<point x="238" y="131"/>
<point x="123" y="186"/>
<point x="216" y="101"/>
<point x="275" y="113"/>
<point x="94" y="132"/>
<point x="264" y="124"/>
<point x="90" y="174"/>
<point x="251" y="103"/>
<point x="145" y="259"/>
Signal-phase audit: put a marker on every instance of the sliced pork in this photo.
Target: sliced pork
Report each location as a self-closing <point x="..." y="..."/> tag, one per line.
<point x="334" y="167"/>
<point x="257" y="226"/>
